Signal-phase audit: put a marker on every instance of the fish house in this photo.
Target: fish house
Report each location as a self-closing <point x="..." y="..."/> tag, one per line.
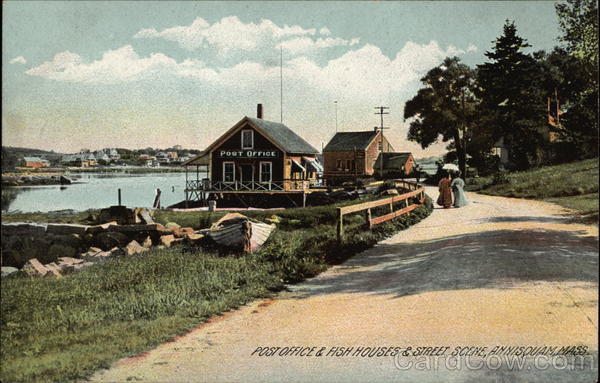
<point x="254" y="156"/>
<point x="351" y="155"/>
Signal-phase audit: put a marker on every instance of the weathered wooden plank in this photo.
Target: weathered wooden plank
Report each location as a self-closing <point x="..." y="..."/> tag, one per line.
<point x="395" y="214"/>
<point x="381" y="202"/>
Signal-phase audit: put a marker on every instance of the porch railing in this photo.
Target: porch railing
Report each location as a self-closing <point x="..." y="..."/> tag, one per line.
<point x="285" y="185"/>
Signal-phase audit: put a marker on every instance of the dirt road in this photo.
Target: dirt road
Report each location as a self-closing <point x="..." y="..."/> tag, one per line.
<point x="498" y="272"/>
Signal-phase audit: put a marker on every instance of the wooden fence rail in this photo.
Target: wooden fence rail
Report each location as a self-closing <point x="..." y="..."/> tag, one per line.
<point x="416" y="190"/>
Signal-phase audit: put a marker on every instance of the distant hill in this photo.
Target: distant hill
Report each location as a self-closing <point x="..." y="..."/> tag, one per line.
<point x="11" y="156"/>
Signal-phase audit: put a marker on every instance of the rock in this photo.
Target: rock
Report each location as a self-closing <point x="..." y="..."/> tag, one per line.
<point x="172" y="225"/>
<point x="146" y="216"/>
<point x="34" y="268"/>
<point x="147" y="242"/>
<point x="54" y="270"/>
<point x="110" y="239"/>
<point x="116" y="251"/>
<point x="194" y="238"/>
<point x="95" y="254"/>
<point x="134" y="247"/>
<point x="135" y="228"/>
<point x="66" y="261"/>
<point x="8" y="270"/>
<point x="101" y="228"/>
<point x="66" y="228"/>
<point x="390" y="192"/>
<point x="22" y="228"/>
<point x="161" y="247"/>
<point x="121" y="214"/>
<point x="166" y="240"/>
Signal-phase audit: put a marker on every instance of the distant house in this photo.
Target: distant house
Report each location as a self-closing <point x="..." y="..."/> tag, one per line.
<point x="501" y="151"/>
<point x="395" y="165"/>
<point x="36" y="162"/>
<point x="82" y="160"/>
<point x="114" y="155"/>
<point x="102" y="156"/>
<point x="172" y="155"/>
<point x="351" y="155"/>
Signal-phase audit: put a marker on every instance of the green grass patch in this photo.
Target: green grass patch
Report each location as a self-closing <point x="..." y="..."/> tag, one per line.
<point x="56" y="330"/>
<point x="573" y="185"/>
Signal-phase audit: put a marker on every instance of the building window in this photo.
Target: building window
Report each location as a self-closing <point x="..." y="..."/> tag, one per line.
<point x="353" y="165"/>
<point x="266" y="172"/>
<point x="339" y="164"/>
<point x="228" y="171"/>
<point x="348" y="164"/>
<point x="247" y="139"/>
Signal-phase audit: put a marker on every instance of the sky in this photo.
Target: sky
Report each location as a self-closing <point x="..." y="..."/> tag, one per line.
<point x="137" y="74"/>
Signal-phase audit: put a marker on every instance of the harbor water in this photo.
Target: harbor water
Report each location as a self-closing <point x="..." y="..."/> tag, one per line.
<point x="96" y="191"/>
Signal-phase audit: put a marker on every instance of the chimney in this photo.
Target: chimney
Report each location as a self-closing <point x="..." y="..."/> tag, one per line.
<point x="259" y="111"/>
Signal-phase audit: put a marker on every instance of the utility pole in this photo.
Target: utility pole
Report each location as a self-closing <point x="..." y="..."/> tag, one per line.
<point x="336" y="124"/>
<point x="381" y="128"/>
<point x="281" y="81"/>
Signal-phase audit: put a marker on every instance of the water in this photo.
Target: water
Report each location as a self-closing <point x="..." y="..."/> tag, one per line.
<point x="98" y="191"/>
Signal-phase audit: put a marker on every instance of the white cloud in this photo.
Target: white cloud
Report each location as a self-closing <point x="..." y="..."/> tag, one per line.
<point x="305" y="45"/>
<point x="471" y="48"/>
<point x="324" y="31"/>
<point x="226" y="34"/>
<point x="119" y="65"/>
<point x="360" y="73"/>
<point x="18" y="60"/>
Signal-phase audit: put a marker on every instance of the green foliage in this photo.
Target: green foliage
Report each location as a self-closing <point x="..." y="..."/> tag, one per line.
<point x="573" y="185"/>
<point x="578" y="21"/>
<point x="65" y="329"/>
<point x="446" y="106"/>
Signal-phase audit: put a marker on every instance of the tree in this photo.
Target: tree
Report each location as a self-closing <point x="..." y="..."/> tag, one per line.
<point x="578" y="20"/>
<point x="446" y="107"/>
<point x="512" y="99"/>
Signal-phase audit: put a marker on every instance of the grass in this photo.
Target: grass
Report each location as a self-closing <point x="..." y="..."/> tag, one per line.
<point x="573" y="185"/>
<point x="56" y="330"/>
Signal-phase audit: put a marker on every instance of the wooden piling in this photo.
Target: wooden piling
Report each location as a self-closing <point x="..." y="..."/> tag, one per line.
<point x="119" y="194"/>
<point x="340" y="225"/>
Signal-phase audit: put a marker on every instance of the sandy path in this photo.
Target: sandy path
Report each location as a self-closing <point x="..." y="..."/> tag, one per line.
<point x="497" y="272"/>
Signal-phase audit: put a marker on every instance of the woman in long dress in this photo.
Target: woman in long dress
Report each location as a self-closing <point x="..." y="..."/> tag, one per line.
<point x="445" y="198"/>
<point x="458" y="186"/>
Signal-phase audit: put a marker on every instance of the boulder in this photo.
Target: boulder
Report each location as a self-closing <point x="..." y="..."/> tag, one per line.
<point x="194" y="238"/>
<point x="34" y="268"/>
<point x="134" y="248"/>
<point x="21" y="228"/>
<point x="180" y="232"/>
<point x="166" y="240"/>
<point x="172" y="225"/>
<point x="8" y="270"/>
<point x="121" y="214"/>
<point x="135" y="228"/>
<point x="95" y="254"/>
<point x="66" y="228"/>
<point x="101" y="228"/>
<point x="54" y="270"/>
<point x="116" y="251"/>
<point x="146" y="216"/>
<point x="147" y="242"/>
<point x="110" y="239"/>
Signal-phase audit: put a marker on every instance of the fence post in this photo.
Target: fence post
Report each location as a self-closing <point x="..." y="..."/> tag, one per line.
<point x="119" y="197"/>
<point x="340" y="225"/>
<point x="368" y="217"/>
